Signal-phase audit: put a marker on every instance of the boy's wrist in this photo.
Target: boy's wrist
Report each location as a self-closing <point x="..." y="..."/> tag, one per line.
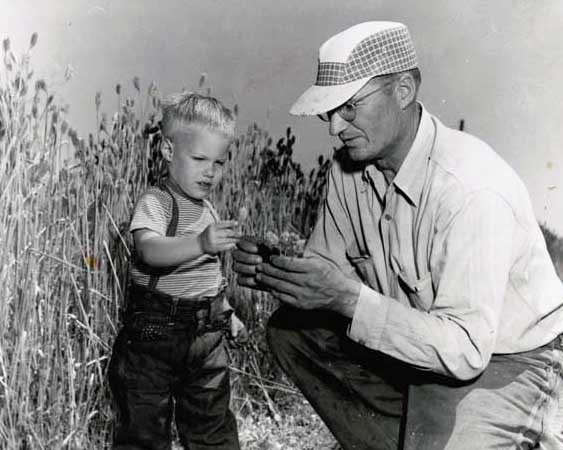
<point x="200" y="244"/>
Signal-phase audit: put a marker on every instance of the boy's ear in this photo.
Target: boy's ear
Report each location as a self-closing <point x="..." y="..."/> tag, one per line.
<point x="166" y="149"/>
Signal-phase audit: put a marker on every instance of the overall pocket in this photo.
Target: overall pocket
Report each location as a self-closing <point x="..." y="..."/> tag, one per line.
<point x="147" y="327"/>
<point x="219" y="317"/>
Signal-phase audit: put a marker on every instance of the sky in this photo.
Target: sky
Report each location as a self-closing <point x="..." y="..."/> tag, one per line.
<point x="495" y="64"/>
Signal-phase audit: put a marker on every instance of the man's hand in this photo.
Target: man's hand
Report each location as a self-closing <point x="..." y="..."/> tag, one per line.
<point x="219" y="237"/>
<point x="247" y="259"/>
<point x="309" y="283"/>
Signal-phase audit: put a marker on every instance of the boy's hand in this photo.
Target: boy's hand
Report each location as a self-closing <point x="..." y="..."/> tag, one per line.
<point x="219" y="237"/>
<point x="238" y="330"/>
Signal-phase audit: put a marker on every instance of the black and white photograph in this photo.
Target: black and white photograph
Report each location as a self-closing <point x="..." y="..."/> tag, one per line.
<point x="281" y="225"/>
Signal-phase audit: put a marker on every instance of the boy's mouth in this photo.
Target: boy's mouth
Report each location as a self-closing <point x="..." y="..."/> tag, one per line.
<point x="205" y="185"/>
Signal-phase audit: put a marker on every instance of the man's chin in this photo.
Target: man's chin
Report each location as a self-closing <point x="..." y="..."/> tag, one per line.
<point x="356" y="153"/>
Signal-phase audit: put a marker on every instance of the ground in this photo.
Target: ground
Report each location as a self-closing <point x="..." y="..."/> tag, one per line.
<point x="300" y="428"/>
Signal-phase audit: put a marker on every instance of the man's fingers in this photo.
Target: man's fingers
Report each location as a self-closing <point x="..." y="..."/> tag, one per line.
<point x="278" y="285"/>
<point x="244" y="269"/>
<point x="288" y="299"/>
<point x="247" y="245"/>
<point x="249" y="282"/>
<point x="299" y="265"/>
<point x="280" y="274"/>
<point x="244" y="257"/>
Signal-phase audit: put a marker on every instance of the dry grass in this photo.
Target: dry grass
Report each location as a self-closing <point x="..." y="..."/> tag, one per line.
<point x="64" y="206"/>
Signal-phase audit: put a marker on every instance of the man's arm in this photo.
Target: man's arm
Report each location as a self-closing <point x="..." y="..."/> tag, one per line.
<point x="471" y="260"/>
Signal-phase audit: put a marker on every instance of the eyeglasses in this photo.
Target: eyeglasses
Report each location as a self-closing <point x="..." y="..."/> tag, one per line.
<point x="348" y="110"/>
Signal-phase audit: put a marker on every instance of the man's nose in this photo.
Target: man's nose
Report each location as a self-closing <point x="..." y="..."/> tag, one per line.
<point x="337" y="124"/>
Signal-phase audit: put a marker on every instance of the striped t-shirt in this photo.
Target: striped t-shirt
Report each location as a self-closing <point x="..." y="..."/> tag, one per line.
<point x="199" y="277"/>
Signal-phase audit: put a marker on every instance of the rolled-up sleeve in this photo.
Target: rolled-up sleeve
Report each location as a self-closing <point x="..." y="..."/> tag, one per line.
<point x="470" y="264"/>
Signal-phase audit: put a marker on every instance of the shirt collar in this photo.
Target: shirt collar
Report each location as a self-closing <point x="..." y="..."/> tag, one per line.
<point x="410" y="178"/>
<point x="173" y="184"/>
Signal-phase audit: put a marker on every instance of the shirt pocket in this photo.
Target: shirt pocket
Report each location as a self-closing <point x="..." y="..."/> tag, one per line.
<point x="419" y="291"/>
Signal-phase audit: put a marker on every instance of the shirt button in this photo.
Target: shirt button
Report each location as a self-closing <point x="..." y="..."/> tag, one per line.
<point x="387" y="217"/>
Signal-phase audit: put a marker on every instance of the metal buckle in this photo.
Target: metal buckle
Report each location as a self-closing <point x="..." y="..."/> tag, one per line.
<point x="173" y="310"/>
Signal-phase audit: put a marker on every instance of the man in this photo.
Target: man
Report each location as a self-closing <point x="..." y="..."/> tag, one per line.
<point x="426" y="313"/>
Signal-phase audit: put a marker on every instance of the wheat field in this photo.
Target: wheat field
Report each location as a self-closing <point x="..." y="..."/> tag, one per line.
<point x="65" y="202"/>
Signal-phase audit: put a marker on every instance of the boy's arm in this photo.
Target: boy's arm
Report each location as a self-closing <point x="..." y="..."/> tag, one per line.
<point x="160" y="251"/>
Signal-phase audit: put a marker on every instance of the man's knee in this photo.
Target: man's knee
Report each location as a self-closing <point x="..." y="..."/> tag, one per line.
<point x="280" y="333"/>
<point x="294" y="333"/>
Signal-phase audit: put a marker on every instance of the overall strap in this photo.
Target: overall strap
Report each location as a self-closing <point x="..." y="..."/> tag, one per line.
<point x="170" y="231"/>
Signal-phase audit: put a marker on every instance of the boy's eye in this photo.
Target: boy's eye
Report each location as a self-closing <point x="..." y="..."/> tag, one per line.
<point x="221" y="163"/>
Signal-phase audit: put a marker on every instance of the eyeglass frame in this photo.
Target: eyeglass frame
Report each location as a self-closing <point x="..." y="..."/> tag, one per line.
<point x="326" y="117"/>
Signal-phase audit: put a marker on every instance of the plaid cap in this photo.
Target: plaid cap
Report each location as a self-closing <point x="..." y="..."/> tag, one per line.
<point x="351" y="58"/>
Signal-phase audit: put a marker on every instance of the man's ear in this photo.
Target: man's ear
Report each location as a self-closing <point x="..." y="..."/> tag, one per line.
<point x="406" y="90"/>
<point x="166" y="149"/>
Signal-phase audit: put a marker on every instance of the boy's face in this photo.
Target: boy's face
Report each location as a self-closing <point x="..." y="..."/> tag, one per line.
<point x="197" y="159"/>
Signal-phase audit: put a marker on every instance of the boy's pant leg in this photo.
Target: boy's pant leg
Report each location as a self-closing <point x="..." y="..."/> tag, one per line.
<point x="203" y="417"/>
<point x="358" y="393"/>
<point x="139" y="376"/>
<point x="516" y="403"/>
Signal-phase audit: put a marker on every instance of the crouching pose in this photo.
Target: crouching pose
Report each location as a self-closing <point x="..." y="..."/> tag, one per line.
<point x="169" y="359"/>
<point x="426" y="313"/>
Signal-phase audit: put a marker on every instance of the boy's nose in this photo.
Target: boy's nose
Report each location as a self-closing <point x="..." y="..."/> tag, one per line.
<point x="209" y="171"/>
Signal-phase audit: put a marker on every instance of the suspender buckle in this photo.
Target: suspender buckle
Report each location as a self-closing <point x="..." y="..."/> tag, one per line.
<point x="173" y="310"/>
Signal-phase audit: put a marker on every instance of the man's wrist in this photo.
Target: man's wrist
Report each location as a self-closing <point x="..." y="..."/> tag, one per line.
<point x="346" y="303"/>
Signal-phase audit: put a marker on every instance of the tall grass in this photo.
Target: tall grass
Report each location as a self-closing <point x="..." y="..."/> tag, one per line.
<point x="64" y="207"/>
<point x="60" y="278"/>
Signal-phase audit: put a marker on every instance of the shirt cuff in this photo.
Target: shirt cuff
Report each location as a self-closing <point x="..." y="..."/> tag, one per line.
<point x="369" y="318"/>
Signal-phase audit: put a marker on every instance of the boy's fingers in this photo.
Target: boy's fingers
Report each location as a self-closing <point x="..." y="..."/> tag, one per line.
<point x="227" y="240"/>
<point x="226" y="224"/>
<point x="226" y="246"/>
<point x="229" y="233"/>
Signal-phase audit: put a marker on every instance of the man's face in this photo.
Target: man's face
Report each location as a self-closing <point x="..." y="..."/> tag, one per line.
<point x="197" y="160"/>
<point x="376" y="126"/>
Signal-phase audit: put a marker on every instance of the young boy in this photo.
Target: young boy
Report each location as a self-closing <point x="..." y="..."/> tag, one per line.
<point x="169" y="359"/>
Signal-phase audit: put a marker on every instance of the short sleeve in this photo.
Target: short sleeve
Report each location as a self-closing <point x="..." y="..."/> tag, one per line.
<point x="151" y="212"/>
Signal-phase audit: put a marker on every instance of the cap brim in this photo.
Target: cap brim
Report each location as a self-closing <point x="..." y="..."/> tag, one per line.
<point x="321" y="99"/>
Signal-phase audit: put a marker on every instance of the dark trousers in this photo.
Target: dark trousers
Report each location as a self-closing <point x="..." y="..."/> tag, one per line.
<point x="168" y="362"/>
<point x="372" y="401"/>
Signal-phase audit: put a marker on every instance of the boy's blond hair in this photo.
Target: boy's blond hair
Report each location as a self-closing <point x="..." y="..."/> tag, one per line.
<point x="189" y="108"/>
